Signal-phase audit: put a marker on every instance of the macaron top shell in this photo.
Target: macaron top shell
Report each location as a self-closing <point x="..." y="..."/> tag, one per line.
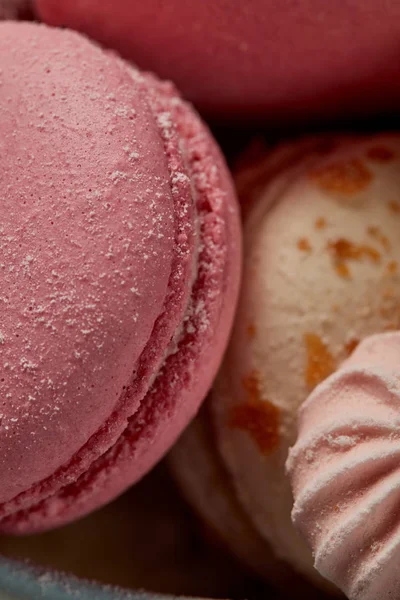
<point x="87" y="236"/>
<point x="100" y="253"/>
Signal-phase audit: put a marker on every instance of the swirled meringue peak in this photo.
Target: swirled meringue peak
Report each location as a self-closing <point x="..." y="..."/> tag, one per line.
<point x="345" y="472"/>
<point x="321" y="273"/>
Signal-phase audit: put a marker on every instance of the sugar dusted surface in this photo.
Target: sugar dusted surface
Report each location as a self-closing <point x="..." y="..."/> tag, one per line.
<point x="344" y="472"/>
<point x="104" y="236"/>
<point x="68" y="256"/>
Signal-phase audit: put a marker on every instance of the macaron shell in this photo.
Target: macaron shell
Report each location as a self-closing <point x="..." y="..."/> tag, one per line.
<point x="86" y="249"/>
<point x="305" y="303"/>
<point x="258" y="59"/>
<point x="199" y="325"/>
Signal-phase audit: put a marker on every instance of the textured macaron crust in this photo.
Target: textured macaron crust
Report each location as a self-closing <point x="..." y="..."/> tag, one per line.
<point x="120" y="261"/>
<point x="258" y="58"/>
<point x="321" y="272"/>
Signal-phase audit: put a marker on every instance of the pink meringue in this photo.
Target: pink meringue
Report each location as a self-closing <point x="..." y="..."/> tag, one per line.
<point x="345" y="475"/>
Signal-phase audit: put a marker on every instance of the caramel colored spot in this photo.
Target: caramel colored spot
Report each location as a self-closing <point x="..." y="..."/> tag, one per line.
<point x="320" y="223"/>
<point x="343" y="270"/>
<point x="394" y="207"/>
<point x="261" y="422"/>
<point x="259" y="418"/>
<point x="336" y="308"/>
<point x="251" y="330"/>
<point x="320" y="362"/>
<point x="388" y="294"/>
<point x="391" y="268"/>
<point x="380" y="154"/>
<point x="380" y="237"/>
<point x="343" y="251"/>
<point x="252" y="385"/>
<point x="390" y="309"/>
<point x="351" y="346"/>
<point x="346" y="178"/>
<point x="304" y="245"/>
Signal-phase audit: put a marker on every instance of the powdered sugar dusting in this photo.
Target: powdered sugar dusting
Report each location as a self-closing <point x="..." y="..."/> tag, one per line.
<point x="199" y="271"/>
<point x="84" y="222"/>
<point x="344" y="470"/>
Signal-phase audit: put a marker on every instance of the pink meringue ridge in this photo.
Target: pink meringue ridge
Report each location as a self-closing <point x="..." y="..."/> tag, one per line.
<point x="120" y="262"/>
<point x="344" y="472"/>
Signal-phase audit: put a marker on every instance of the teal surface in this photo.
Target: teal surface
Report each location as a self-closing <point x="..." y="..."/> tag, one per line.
<point x="23" y="582"/>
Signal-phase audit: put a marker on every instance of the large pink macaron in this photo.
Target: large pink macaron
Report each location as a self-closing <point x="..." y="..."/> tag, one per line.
<point x="119" y="271"/>
<point x="254" y="59"/>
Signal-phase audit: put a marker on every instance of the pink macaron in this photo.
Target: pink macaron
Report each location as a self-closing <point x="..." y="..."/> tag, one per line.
<point x="119" y="271"/>
<point x="254" y="59"/>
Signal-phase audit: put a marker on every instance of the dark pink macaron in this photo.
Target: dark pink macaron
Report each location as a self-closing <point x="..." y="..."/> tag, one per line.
<point x="255" y="58"/>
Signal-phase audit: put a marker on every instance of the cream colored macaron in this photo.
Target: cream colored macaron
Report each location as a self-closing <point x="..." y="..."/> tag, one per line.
<point x="322" y="250"/>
